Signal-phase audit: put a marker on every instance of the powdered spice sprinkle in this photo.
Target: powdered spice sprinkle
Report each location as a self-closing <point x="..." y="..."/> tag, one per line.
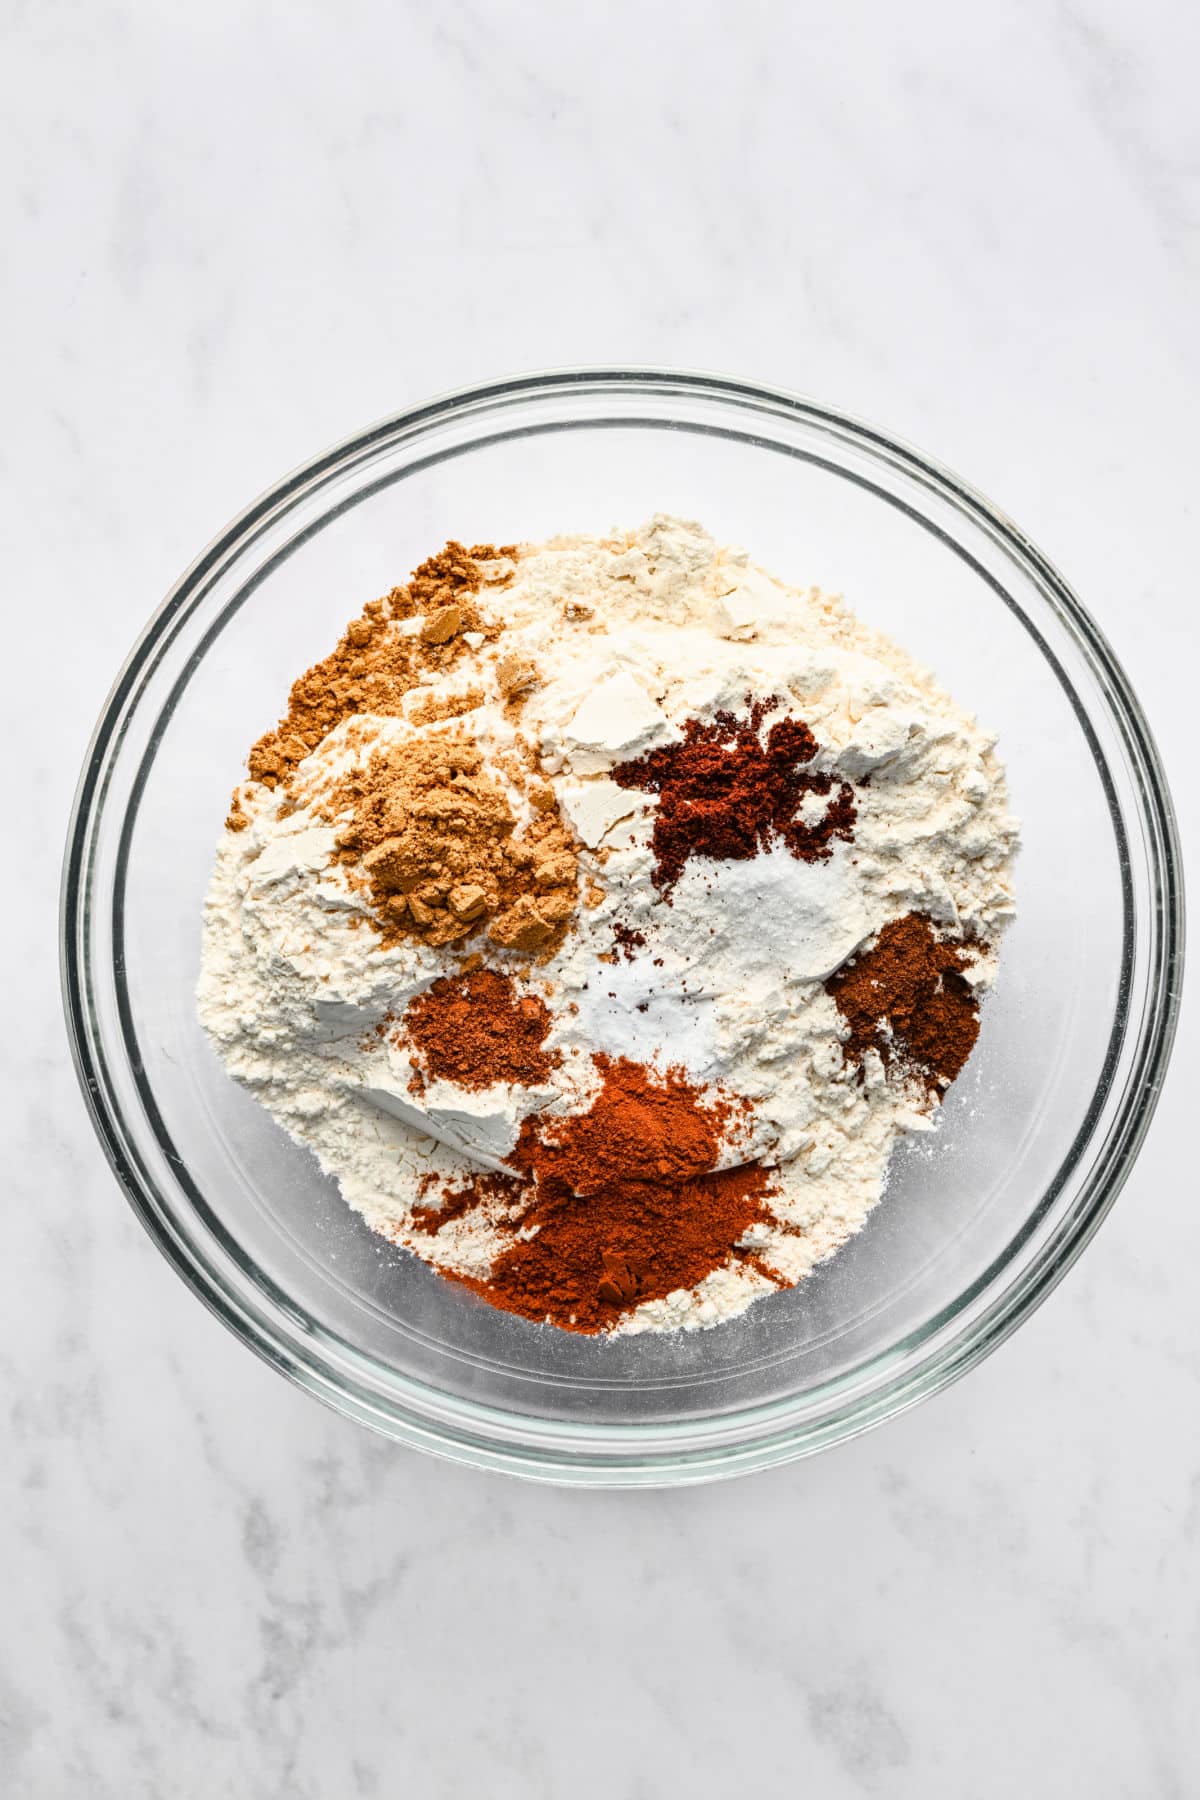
<point x="374" y="664"/>
<point x="908" y="993"/>
<point x="479" y="1029"/>
<point x="725" y="794"/>
<point x="623" y="1202"/>
<point x="433" y="840"/>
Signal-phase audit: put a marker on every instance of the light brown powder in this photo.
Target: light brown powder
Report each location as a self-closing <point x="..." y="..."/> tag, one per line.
<point x="433" y="841"/>
<point x="430" y="708"/>
<point x="375" y="665"/>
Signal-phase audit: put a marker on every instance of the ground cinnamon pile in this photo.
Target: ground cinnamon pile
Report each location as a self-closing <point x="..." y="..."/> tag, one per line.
<point x="625" y="1200"/>
<point x="477" y="1029"/>
<point x="375" y="665"/>
<point x="908" y="994"/>
<point x="726" y="794"/>
<point x="434" y="842"/>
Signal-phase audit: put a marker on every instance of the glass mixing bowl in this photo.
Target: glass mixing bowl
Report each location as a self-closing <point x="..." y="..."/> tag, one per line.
<point x="979" y="1221"/>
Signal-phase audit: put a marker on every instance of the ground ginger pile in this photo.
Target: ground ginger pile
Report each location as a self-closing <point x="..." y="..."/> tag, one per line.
<point x="434" y="840"/>
<point x="374" y="666"/>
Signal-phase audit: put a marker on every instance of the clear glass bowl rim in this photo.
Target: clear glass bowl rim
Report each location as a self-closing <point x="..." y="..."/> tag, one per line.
<point x="244" y="1297"/>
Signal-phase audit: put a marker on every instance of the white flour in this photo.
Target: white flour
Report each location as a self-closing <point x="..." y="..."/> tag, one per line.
<point x="632" y="636"/>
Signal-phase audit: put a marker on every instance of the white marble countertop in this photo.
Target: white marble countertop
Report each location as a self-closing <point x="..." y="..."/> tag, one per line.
<point x="235" y="233"/>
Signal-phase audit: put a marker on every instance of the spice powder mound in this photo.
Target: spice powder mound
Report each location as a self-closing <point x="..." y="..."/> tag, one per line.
<point x="477" y="1030"/>
<point x="726" y="795"/>
<point x="433" y="841"/>
<point x="908" y="992"/>
<point x="624" y="1204"/>
<point x="374" y="665"/>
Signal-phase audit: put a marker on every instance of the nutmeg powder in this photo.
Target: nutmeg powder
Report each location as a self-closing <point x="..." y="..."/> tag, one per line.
<point x="907" y="995"/>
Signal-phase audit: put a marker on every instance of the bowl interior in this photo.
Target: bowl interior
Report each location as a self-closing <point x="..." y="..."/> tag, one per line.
<point x="1020" y="1128"/>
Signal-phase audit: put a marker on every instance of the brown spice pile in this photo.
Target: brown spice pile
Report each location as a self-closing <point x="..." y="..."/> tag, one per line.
<point x="625" y="1199"/>
<point x="725" y="794"/>
<point x="374" y="665"/>
<point x="477" y="1029"/>
<point x="433" y="841"/>
<point x="908" y="994"/>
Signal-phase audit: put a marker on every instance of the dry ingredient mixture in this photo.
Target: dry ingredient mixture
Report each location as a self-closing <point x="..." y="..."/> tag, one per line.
<point x="601" y="913"/>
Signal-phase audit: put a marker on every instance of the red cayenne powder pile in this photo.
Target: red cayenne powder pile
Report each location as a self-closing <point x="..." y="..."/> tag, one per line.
<point x="725" y="794"/>
<point x="625" y="1199"/>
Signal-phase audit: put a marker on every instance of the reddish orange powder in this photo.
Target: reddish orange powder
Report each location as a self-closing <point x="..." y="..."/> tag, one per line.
<point x="476" y="1029"/>
<point x="627" y="1204"/>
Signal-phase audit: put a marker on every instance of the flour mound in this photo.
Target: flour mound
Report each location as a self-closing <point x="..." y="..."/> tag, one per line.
<point x="522" y="772"/>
